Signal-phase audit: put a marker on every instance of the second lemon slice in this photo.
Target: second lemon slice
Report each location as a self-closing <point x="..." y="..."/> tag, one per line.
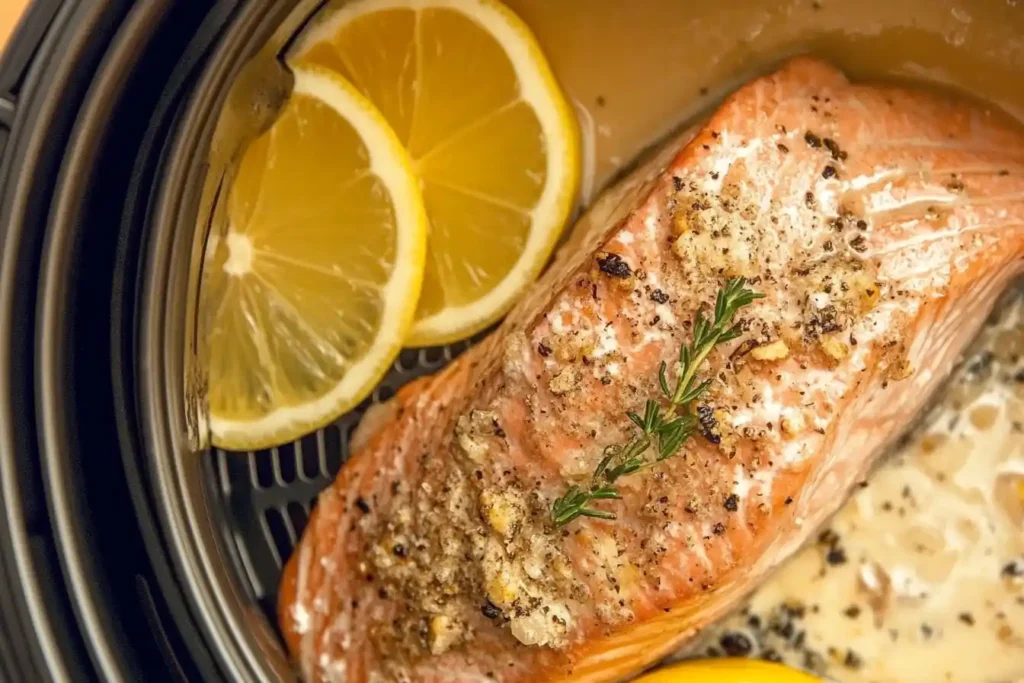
<point x="493" y="142"/>
<point x="312" y="288"/>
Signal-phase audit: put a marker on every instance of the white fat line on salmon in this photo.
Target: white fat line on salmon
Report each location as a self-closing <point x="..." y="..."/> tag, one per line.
<point x="1001" y="170"/>
<point x="770" y="410"/>
<point x="447" y="675"/>
<point x="925" y="143"/>
<point x="663" y="311"/>
<point x="651" y="225"/>
<point x="796" y="452"/>
<point x="696" y="545"/>
<point x="876" y="181"/>
<point x="744" y="484"/>
<point x="607" y="340"/>
<point x="731" y="152"/>
<point x="930" y="276"/>
<point x="624" y="237"/>
<point x="885" y="204"/>
<point x="302" y="627"/>
<point x="336" y="670"/>
<point x="953" y="230"/>
<point x="765" y="478"/>
<point x="342" y="624"/>
<point x="557" y="319"/>
<point x="709" y="536"/>
<point x="688" y="536"/>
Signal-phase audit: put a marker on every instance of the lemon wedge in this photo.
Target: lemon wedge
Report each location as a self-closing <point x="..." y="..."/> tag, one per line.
<point x="312" y="289"/>
<point x="494" y="144"/>
<point x="728" y="671"/>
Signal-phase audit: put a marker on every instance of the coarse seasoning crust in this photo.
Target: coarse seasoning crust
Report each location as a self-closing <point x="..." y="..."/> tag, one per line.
<point x="878" y="223"/>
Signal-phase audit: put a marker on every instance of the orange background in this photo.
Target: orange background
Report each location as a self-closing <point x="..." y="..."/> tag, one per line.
<point x="9" y="12"/>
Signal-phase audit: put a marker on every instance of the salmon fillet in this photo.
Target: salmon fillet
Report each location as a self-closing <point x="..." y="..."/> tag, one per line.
<point x="879" y="223"/>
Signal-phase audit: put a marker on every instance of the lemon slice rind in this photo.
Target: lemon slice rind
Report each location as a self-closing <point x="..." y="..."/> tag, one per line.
<point x="540" y="90"/>
<point x="390" y="162"/>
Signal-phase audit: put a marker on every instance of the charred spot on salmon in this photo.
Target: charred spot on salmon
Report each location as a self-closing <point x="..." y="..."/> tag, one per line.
<point x="859" y="244"/>
<point x="490" y="610"/>
<point x="614" y="265"/>
<point x="544" y="350"/>
<point x="833" y="148"/>
<point x="732" y="502"/>
<point x="718" y="529"/>
<point x="782" y="148"/>
<point x="659" y="297"/>
<point x="829" y="172"/>
<point x="363" y="506"/>
<point x="954" y="184"/>
<point x="677" y="183"/>
<point x="665" y="429"/>
<point x="812" y="140"/>
<point x="708" y="424"/>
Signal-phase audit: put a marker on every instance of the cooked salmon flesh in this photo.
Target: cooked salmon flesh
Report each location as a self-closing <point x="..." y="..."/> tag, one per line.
<point x="878" y="225"/>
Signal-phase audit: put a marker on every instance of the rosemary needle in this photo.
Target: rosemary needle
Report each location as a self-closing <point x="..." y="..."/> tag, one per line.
<point x="664" y="428"/>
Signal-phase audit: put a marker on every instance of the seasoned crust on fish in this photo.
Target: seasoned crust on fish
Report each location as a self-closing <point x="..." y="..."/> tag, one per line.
<point x="879" y="223"/>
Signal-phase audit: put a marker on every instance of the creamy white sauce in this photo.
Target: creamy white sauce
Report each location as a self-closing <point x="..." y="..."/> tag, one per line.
<point x="913" y="580"/>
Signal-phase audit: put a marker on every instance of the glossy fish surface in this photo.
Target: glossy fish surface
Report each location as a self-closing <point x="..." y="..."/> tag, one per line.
<point x="878" y="224"/>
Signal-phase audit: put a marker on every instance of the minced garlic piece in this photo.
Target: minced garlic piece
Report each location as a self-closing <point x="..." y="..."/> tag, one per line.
<point x="504" y="585"/>
<point x="565" y="381"/>
<point x="867" y="290"/>
<point x="793" y="422"/>
<point x="472" y="431"/>
<point x="680" y="222"/>
<point x="902" y="371"/>
<point x="777" y="350"/>
<point x="834" y="347"/>
<point x="503" y="511"/>
<point x="444" y="632"/>
<point x="543" y="626"/>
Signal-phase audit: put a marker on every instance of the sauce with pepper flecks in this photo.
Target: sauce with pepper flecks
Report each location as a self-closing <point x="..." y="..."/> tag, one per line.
<point x="925" y="562"/>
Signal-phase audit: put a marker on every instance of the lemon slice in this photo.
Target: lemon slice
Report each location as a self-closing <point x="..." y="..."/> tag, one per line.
<point x="495" y="145"/>
<point x="312" y="289"/>
<point x="728" y="671"/>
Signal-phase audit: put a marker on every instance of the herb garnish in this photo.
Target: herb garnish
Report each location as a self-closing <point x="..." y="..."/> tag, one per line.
<point x="665" y="428"/>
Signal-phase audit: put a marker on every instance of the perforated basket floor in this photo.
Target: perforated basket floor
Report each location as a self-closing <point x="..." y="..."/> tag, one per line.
<point x="267" y="495"/>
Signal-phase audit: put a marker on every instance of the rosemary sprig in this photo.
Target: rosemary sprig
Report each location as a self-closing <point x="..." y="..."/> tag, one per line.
<point x="666" y="428"/>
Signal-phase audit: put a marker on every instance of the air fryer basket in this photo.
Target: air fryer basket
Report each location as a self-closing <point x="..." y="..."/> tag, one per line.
<point x="231" y="519"/>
